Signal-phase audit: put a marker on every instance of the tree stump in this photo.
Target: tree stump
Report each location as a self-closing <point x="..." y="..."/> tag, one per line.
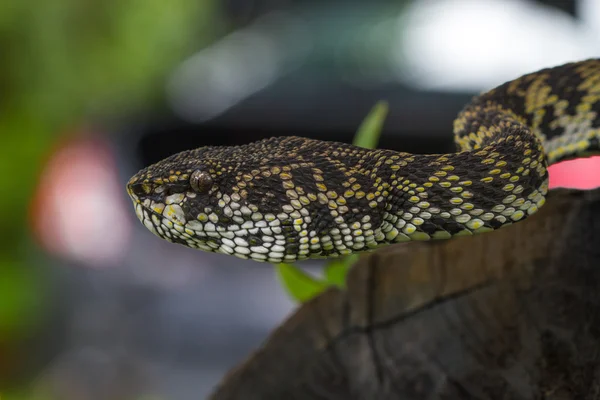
<point x="511" y="314"/>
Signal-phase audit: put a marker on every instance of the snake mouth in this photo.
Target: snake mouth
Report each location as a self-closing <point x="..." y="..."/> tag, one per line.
<point x="252" y="240"/>
<point x="157" y="217"/>
<point x="262" y="241"/>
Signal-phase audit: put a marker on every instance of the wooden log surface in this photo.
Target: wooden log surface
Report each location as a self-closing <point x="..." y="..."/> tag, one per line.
<point x="511" y="314"/>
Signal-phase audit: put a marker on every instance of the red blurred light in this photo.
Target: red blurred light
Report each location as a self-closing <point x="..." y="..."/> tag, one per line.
<point x="581" y="173"/>
<point x="79" y="211"/>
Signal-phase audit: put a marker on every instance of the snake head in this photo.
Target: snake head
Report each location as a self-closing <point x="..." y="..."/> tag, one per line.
<point x="263" y="201"/>
<point x="187" y="199"/>
<point x="165" y="194"/>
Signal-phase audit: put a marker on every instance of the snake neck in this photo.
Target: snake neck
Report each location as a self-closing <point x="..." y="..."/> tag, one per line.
<point x="489" y="184"/>
<point x="559" y="106"/>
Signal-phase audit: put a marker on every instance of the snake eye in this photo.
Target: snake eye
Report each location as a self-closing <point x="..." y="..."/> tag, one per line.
<point x="201" y="181"/>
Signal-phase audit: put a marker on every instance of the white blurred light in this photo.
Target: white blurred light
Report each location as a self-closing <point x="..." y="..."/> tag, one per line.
<point x="589" y="13"/>
<point x="241" y="64"/>
<point x="476" y="44"/>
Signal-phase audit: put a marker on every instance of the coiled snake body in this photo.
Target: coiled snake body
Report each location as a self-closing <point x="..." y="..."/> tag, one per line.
<point x="288" y="198"/>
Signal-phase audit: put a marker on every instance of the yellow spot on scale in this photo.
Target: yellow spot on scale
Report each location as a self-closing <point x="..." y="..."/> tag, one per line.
<point x="202" y="217"/>
<point x="418" y="221"/>
<point x="533" y="209"/>
<point x="288" y="184"/>
<point x="467" y="206"/>
<point x="158" y="208"/>
<point x="409" y="229"/>
<point x="517" y="215"/>
<point x="475" y="224"/>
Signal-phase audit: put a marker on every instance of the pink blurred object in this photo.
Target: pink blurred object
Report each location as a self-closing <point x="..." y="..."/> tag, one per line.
<point x="79" y="210"/>
<point x="581" y="173"/>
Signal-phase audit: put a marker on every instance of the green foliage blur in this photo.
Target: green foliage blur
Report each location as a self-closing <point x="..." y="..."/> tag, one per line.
<point x="66" y="64"/>
<point x="302" y="287"/>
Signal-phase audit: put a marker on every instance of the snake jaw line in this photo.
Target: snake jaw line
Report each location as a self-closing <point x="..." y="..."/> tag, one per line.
<point x="288" y="198"/>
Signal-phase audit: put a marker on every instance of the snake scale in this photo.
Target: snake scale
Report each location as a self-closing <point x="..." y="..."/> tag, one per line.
<point x="289" y="198"/>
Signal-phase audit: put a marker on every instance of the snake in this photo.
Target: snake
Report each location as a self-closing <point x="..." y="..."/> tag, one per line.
<point x="288" y="198"/>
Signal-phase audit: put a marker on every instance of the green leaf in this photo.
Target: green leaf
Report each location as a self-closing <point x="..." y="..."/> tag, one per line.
<point x="300" y="286"/>
<point x="369" y="131"/>
<point x="336" y="270"/>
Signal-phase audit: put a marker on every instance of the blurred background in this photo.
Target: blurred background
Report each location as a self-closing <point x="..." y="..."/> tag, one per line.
<point x="92" y="305"/>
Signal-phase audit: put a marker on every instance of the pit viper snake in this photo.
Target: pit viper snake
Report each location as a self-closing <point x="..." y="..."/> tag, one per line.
<point x="290" y="198"/>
